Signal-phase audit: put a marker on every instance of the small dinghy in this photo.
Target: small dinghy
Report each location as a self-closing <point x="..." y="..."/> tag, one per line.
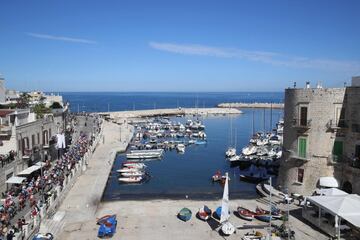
<point x="245" y="214"/>
<point x="185" y="214"/>
<point x="131" y="179"/>
<point x="204" y="213"/>
<point x="217" y="176"/>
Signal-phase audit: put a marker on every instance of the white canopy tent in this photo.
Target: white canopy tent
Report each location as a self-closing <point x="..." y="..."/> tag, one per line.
<point x="330" y="192"/>
<point x="29" y="170"/>
<point x="15" y="180"/>
<point x="345" y="207"/>
<point x="329" y="182"/>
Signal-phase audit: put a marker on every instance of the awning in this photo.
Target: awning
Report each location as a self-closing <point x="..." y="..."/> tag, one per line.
<point x="330" y="192"/>
<point x="15" y="180"/>
<point x="330" y="182"/>
<point x="345" y="206"/>
<point x="29" y="170"/>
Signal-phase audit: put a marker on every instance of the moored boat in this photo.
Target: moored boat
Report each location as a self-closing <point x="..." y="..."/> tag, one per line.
<point x="132" y="174"/>
<point x="130" y="179"/>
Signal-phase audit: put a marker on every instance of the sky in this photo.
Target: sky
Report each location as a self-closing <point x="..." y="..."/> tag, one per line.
<point x="254" y="45"/>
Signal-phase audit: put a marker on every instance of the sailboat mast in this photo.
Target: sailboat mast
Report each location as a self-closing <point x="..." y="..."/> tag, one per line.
<point x="253" y="122"/>
<point x="270" y="116"/>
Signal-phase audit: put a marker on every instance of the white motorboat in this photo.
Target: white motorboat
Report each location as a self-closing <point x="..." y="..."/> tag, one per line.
<point x="132" y="174"/>
<point x="127" y="169"/>
<point x="230" y="152"/>
<point x="234" y="158"/>
<point x="180" y="147"/>
<point x="150" y="151"/>
<point x="143" y="155"/>
<point x="134" y="164"/>
<point x="249" y="150"/>
<point x="131" y="179"/>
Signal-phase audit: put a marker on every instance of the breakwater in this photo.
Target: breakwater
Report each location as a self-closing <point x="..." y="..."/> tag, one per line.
<point x="170" y="112"/>
<point x="251" y="105"/>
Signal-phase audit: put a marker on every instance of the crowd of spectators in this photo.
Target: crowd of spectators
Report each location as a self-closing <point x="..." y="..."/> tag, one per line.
<point x="38" y="187"/>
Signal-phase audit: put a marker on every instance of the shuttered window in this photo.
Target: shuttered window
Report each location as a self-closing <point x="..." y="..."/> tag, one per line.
<point x="302" y="147"/>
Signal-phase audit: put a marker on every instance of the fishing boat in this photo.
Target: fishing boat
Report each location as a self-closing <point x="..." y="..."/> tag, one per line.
<point x="217" y="176"/>
<point x="132" y="174"/>
<point x="226" y="227"/>
<point x="245" y="213"/>
<point x="130" y="179"/>
<point x="254" y="175"/>
<point x="161" y="151"/>
<point x="185" y="214"/>
<point x="204" y="213"/>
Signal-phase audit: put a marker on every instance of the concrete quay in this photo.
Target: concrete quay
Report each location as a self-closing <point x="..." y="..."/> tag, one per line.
<point x="82" y="201"/>
<point x="251" y="105"/>
<point x="151" y="219"/>
<point x="170" y="112"/>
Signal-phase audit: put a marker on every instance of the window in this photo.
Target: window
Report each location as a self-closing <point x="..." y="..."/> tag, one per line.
<point x="337" y="150"/>
<point x="300" y="175"/>
<point x="38" y="138"/>
<point x="357" y="151"/>
<point x="33" y="140"/>
<point x="302" y="147"/>
<point x="340" y="116"/>
<point x="303" y="116"/>
<point x="355" y="128"/>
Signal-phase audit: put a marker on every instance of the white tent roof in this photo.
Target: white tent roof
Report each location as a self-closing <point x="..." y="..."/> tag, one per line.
<point x="29" y="170"/>
<point x="330" y="192"/>
<point x="345" y="206"/>
<point x="330" y="182"/>
<point x="15" y="180"/>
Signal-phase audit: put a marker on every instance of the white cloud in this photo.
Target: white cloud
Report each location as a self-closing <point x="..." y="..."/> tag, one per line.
<point x="273" y="58"/>
<point x="61" y="38"/>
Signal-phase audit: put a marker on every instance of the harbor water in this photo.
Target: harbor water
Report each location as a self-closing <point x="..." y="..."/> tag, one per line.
<point x="188" y="175"/>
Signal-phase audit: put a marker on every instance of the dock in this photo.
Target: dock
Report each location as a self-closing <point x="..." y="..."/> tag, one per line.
<point x="170" y="112"/>
<point x="251" y="105"/>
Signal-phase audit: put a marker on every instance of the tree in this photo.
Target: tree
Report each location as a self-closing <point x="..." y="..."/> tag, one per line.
<point x="23" y="101"/>
<point x="56" y="105"/>
<point x="40" y="109"/>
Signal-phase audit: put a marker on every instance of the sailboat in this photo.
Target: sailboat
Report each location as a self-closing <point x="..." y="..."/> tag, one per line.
<point x="226" y="227"/>
<point x="231" y="151"/>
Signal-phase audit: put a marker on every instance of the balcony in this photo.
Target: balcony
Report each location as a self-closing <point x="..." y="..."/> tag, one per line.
<point x="296" y="156"/>
<point x="335" y="159"/>
<point x="301" y="125"/>
<point x="335" y="126"/>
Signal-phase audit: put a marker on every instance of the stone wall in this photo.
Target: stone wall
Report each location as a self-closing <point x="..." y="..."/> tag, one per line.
<point x="322" y="107"/>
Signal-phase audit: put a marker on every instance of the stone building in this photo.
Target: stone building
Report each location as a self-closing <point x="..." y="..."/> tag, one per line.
<point x="30" y="139"/>
<point x="321" y="138"/>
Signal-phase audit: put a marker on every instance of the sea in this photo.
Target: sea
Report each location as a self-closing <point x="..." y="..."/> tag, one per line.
<point x="188" y="175"/>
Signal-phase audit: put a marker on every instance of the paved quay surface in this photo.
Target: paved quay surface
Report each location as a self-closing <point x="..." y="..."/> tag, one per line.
<point x="151" y="219"/>
<point x="82" y="201"/>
